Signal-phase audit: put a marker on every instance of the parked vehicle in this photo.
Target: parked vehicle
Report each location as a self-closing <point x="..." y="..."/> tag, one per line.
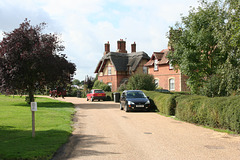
<point x="57" y="92"/>
<point x="134" y="100"/>
<point x="96" y="94"/>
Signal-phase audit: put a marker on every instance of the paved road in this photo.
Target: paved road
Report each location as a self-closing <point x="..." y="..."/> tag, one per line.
<point x="103" y="132"/>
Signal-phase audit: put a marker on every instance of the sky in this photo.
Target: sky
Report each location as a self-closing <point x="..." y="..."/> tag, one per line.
<point x="86" y="25"/>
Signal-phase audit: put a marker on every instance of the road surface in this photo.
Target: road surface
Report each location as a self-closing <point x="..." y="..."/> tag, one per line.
<point x="104" y="132"/>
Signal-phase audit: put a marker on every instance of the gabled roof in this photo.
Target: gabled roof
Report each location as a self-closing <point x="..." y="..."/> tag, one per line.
<point x="122" y="61"/>
<point x="160" y="56"/>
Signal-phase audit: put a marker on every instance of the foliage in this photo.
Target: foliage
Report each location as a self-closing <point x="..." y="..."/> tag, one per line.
<point x="206" y="47"/>
<point x="88" y="83"/>
<point x="53" y="128"/>
<point x="76" y="82"/>
<point x="141" y="82"/>
<point x="218" y="112"/>
<point x="100" y="85"/>
<point x="31" y="60"/>
<point x="164" y="102"/>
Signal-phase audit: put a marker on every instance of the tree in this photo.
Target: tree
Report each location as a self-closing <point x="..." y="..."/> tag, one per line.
<point x="141" y="82"/>
<point x="203" y="44"/>
<point x="89" y="81"/>
<point x="31" y="60"/>
<point x="76" y="82"/>
<point x="100" y="85"/>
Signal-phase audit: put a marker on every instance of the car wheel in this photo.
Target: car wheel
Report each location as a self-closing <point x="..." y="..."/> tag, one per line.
<point x="87" y="99"/>
<point x="126" y="108"/>
<point x="121" y="108"/>
<point x="92" y="99"/>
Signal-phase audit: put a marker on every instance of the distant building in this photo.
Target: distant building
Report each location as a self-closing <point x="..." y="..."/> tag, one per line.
<point x="115" y="68"/>
<point x="164" y="74"/>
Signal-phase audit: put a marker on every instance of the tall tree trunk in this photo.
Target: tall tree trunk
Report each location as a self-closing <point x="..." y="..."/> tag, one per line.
<point x="31" y="95"/>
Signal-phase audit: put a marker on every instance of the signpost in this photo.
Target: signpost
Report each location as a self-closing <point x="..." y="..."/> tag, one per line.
<point x="33" y="109"/>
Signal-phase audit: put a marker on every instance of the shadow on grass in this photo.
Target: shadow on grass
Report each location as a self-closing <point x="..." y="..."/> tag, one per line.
<point x="19" y="144"/>
<point x="48" y="104"/>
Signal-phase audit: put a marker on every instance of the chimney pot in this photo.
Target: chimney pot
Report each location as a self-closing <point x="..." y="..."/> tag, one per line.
<point x="107" y="48"/>
<point x="133" y="46"/>
<point x="121" y="46"/>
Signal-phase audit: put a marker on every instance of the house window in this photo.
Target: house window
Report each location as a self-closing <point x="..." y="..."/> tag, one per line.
<point x="170" y="65"/>
<point x="145" y="70"/>
<point x="109" y="70"/>
<point x="171" y="84"/>
<point x="155" y="65"/>
<point x="156" y="82"/>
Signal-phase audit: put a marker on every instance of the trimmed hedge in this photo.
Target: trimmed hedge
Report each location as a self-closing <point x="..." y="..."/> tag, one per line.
<point x="218" y="112"/>
<point x="164" y="102"/>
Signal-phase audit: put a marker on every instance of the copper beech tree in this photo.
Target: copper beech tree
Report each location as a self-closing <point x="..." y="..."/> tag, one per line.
<point x="31" y="60"/>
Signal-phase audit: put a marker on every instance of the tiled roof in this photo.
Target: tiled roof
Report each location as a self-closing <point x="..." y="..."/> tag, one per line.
<point x="122" y="61"/>
<point x="160" y="56"/>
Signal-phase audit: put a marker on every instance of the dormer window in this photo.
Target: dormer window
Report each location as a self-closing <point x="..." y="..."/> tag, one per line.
<point x="170" y="65"/>
<point x="155" y="65"/>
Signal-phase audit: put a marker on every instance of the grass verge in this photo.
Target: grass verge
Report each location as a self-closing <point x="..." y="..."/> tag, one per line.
<point x="53" y="127"/>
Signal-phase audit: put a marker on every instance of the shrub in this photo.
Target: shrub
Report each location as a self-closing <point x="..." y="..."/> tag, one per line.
<point x="141" y="82"/>
<point x="215" y="112"/>
<point x="164" y="102"/>
<point x="100" y="85"/>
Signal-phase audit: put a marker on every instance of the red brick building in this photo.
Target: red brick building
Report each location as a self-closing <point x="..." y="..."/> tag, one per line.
<point x="164" y="74"/>
<point x="116" y="67"/>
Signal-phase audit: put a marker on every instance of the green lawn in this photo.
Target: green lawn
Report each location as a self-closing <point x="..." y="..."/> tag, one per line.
<point x="53" y="127"/>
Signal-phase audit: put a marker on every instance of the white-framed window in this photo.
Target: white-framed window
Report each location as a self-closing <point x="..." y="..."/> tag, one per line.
<point x="109" y="70"/>
<point x="172" y="84"/>
<point x="155" y="65"/>
<point x="170" y="65"/>
<point x="156" y="81"/>
<point x="145" y="70"/>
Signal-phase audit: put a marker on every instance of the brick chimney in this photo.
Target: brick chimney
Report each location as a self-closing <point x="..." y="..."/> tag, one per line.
<point x="133" y="46"/>
<point x="107" y="48"/>
<point x="121" y="46"/>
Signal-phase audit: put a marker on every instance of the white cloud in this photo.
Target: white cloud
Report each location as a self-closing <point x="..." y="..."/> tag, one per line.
<point x="85" y="25"/>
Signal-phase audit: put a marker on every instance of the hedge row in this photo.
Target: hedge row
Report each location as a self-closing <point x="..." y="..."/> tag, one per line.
<point x="164" y="102"/>
<point x="218" y="112"/>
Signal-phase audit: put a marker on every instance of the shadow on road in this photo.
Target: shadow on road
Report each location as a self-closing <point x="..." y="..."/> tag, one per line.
<point x="85" y="143"/>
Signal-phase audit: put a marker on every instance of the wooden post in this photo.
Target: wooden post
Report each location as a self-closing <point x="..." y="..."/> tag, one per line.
<point x="33" y="124"/>
<point x="33" y="109"/>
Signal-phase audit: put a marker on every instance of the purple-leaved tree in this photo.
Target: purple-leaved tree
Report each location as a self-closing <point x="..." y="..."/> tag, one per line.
<point x="31" y="60"/>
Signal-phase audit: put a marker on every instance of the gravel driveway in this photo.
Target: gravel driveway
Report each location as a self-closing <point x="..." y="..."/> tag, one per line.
<point x="103" y="132"/>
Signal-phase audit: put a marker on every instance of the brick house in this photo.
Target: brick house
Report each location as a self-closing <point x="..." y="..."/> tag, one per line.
<point x="164" y="74"/>
<point x="116" y="67"/>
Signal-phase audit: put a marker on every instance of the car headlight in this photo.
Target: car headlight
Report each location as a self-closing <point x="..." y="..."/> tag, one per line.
<point x="148" y="102"/>
<point x="130" y="103"/>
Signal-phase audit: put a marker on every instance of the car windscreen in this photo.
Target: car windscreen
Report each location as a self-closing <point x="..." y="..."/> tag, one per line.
<point x="99" y="91"/>
<point x="136" y="95"/>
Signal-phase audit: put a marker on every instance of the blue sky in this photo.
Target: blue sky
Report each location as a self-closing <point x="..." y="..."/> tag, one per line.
<point x="85" y="25"/>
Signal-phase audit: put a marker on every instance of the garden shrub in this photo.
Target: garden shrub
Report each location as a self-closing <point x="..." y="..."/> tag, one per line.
<point x="218" y="112"/>
<point x="100" y="85"/>
<point x="164" y="102"/>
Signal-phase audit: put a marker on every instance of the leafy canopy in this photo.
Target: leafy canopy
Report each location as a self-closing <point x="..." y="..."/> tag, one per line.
<point x="31" y="60"/>
<point x="206" y="46"/>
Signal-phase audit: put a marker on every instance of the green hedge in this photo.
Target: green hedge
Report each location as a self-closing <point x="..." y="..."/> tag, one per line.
<point x="164" y="102"/>
<point x="218" y="112"/>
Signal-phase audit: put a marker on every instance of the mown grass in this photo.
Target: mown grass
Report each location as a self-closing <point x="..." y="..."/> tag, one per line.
<point x="53" y="127"/>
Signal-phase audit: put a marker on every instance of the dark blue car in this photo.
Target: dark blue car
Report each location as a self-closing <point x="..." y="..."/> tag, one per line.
<point x="134" y="100"/>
